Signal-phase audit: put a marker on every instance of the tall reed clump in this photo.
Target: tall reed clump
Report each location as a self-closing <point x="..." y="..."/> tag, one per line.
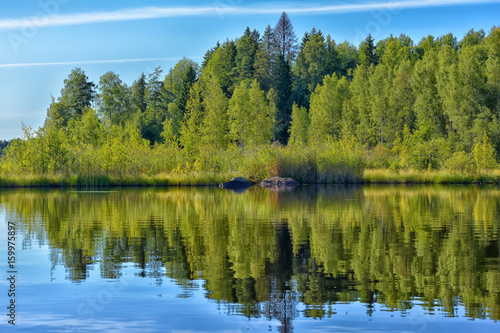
<point x="259" y="162"/>
<point x="411" y="176"/>
<point x="330" y="163"/>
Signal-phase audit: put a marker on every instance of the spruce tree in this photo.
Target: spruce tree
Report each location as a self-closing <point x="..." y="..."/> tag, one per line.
<point x="367" y="51"/>
<point x="286" y="40"/>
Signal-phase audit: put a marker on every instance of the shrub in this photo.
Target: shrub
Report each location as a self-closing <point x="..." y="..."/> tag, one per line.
<point x="484" y="154"/>
<point x="460" y="161"/>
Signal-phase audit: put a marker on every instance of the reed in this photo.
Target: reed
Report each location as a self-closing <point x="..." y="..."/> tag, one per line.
<point x="329" y="163"/>
<point x="386" y="176"/>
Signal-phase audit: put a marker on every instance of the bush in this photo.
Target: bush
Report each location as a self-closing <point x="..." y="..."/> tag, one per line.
<point x="260" y="163"/>
<point x="484" y="155"/>
<point x="379" y="157"/>
<point x="460" y="161"/>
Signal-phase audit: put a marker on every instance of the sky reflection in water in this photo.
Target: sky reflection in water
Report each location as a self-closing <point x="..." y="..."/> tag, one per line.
<point x="343" y="259"/>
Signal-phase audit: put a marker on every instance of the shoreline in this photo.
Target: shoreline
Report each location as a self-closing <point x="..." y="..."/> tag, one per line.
<point x="370" y="177"/>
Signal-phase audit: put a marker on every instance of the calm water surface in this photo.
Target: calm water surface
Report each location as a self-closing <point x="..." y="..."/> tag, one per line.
<point x="316" y="259"/>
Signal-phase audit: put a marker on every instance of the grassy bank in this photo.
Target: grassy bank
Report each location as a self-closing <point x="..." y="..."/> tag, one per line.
<point x="386" y="176"/>
<point x="304" y="173"/>
<point x="59" y="180"/>
<point x="341" y="162"/>
<point x="331" y="163"/>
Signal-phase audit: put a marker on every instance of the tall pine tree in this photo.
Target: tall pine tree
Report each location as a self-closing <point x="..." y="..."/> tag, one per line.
<point x="286" y="40"/>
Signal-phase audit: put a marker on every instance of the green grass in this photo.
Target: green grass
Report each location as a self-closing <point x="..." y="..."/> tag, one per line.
<point x="305" y="173"/>
<point x="386" y="176"/>
<point x="330" y="164"/>
<point x="162" y="179"/>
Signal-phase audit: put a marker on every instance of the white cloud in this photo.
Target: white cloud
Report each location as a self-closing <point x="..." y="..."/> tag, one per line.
<point x="89" y="62"/>
<point x="269" y="8"/>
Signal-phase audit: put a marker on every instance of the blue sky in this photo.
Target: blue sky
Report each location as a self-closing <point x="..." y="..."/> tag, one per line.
<point x="42" y="41"/>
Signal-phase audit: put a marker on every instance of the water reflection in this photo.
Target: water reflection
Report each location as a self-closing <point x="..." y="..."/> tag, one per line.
<point x="267" y="254"/>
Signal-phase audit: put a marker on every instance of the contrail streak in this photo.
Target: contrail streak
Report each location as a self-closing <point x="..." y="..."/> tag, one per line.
<point x="145" y="13"/>
<point x="89" y="62"/>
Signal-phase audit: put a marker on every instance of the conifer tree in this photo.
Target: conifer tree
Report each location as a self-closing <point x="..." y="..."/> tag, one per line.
<point x="188" y="80"/>
<point x="265" y="59"/>
<point x="222" y="65"/>
<point x="312" y="63"/>
<point x="368" y="51"/>
<point x="138" y="92"/>
<point x="247" y="47"/>
<point x="152" y="119"/>
<point x="77" y="95"/>
<point x="286" y="40"/>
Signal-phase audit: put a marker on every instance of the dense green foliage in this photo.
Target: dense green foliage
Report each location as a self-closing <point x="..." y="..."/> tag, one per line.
<point x="3" y="145"/>
<point x="430" y="105"/>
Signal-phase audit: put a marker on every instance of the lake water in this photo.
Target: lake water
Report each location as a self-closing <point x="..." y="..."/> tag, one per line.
<point x="316" y="259"/>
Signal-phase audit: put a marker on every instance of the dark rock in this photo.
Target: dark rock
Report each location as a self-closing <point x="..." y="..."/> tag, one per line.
<point x="279" y="183"/>
<point x="236" y="183"/>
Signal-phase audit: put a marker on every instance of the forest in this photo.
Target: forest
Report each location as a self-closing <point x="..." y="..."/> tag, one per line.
<point x="267" y="104"/>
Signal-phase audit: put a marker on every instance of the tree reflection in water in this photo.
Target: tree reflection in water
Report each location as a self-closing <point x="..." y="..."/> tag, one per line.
<point x="262" y="253"/>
